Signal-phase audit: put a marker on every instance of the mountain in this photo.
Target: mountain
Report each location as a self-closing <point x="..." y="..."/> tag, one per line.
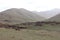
<point x="15" y="16"/>
<point x="48" y="14"/>
<point x="55" y="18"/>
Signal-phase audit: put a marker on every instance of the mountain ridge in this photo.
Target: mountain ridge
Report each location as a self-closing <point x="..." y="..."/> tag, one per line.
<point x="15" y="15"/>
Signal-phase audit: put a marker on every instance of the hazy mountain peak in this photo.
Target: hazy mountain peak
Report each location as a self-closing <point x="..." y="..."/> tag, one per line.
<point x="22" y="9"/>
<point x="56" y="9"/>
<point x="49" y="13"/>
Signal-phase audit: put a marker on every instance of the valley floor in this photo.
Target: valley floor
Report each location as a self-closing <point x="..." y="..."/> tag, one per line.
<point x="28" y="34"/>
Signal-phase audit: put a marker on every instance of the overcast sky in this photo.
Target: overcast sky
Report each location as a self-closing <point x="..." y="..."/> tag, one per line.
<point x="33" y="5"/>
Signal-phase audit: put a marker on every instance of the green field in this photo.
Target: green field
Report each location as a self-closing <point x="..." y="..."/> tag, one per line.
<point x="45" y="32"/>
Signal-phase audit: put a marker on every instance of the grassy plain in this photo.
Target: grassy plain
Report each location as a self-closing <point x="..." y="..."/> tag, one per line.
<point x="45" y="32"/>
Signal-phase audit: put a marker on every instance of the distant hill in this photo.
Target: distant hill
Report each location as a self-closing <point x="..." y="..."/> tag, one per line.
<point x="15" y="16"/>
<point x="49" y="13"/>
<point x="55" y="18"/>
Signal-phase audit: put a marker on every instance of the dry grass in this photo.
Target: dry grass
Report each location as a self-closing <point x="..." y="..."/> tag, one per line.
<point x="42" y="33"/>
<point x="26" y="34"/>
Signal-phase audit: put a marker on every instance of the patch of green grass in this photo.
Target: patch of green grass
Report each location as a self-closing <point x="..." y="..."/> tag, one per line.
<point x="45" y="27"/>
<point x="51" y="27"/>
